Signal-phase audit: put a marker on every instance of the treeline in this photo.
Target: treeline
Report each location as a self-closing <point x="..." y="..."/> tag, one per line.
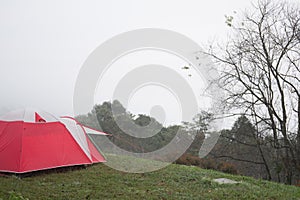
<point x="237" y="151"/>
<point x="113" y="118"/>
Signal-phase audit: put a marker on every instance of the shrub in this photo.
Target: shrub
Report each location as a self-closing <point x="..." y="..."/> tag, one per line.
<point x="187" y="159"/>
<point x="206" y="163"/>
<point x="227" y="168"/>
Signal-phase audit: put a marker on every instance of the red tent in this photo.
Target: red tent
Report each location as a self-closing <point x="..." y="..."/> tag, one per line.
<point x="33" y="140"/>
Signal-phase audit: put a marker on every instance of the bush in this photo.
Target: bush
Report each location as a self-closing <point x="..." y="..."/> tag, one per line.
<point x="206" y="163"/>
<point x="187" y="159"/>
<point x="227" y="168"/>
<point x="209" y="164"/>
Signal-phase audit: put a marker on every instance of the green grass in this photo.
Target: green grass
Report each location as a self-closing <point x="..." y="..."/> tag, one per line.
<point x="173" y="182"/>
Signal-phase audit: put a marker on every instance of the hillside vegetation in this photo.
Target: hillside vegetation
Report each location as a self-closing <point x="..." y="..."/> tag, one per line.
<point x="173" y="182"/>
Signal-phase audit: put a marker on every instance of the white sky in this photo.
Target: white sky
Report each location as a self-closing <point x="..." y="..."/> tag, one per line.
<point x="44" y="43"/>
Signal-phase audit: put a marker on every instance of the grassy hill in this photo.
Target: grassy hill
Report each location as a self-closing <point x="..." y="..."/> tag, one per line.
<point x="173" y="182"/>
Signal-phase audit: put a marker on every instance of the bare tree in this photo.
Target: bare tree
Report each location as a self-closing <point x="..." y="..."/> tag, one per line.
<point x="260" y="67"/>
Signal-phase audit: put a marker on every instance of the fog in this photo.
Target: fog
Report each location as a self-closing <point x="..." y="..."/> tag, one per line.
<point x="45" y="43"/>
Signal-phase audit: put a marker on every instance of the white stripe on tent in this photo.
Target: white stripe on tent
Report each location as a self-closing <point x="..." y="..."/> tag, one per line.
<point x="87" y="129"/>
<point x="78" y="134"/>
<point x="93" y="131"/>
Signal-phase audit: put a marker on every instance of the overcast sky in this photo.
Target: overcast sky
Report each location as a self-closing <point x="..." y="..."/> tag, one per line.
<point x="43" y="44"/>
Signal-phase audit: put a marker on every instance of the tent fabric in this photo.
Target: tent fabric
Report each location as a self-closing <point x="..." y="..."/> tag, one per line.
<point x="92" y="131"/>
<point x="38" y="118"/>
<point x="78" y="135"/>
<point x="27" y="145"/>
<point x="79" y="130"/>
<point x="87" y="129"/>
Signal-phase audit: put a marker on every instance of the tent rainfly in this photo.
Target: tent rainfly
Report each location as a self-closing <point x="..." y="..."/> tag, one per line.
<point x="33" y="140"/>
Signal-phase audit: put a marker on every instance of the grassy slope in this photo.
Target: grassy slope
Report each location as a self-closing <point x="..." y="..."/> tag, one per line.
<point x="172" y="182"/>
